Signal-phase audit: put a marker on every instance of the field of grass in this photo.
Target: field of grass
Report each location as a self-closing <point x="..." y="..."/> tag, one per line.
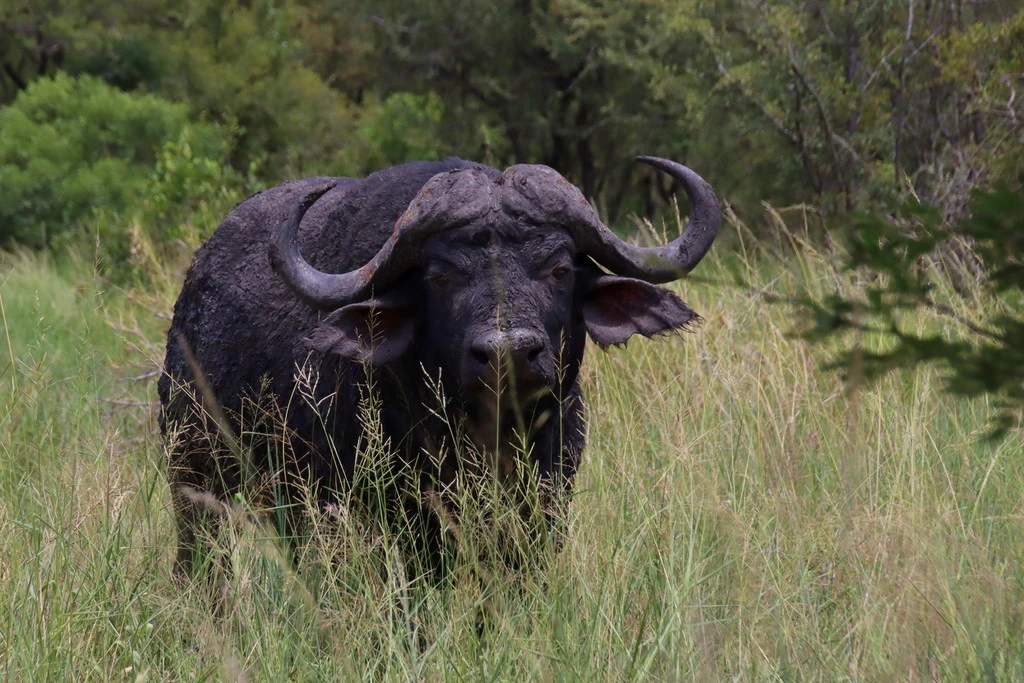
<point x="739" y="515"/>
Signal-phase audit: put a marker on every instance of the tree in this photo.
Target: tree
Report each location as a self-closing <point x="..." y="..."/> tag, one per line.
<point x="843" y="106"/>
<point x="532" y="82"/>
<point x="867" y="102"/>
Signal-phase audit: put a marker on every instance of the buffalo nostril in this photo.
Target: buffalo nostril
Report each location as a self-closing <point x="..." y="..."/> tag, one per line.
<point x="533" y="355"/>
<point x="518" y="351"/>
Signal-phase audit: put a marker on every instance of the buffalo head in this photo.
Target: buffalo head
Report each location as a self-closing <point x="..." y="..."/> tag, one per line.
<point x="493" y="282"/>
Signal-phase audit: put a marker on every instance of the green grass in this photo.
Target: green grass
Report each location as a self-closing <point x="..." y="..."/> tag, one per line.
<point x="738" y="515"/>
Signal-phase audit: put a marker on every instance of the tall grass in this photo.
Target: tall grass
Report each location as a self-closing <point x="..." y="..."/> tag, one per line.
<point x="739" y="514"/>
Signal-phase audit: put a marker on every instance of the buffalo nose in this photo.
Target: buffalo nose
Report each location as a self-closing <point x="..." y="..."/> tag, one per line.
<point x="519" y="349"/>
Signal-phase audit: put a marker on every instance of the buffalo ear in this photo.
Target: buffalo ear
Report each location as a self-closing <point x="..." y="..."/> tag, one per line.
<point x="376" y="331"/>
<point x="616" y="308"/>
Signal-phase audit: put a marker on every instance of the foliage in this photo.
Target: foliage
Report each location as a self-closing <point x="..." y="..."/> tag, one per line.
<point x="28" y="47"/>
<point x="72" y="146"/>
<point x="236" y="63"/>
<point x="125" y="63"/>
<point x="908" y="259"/>
<point x="863" y="102"/>
<point x="180" y="203"/>
<point x="524" y="82"/>
<point x="186" y="184"/>
<point x="109" y="40"/>
<point x="843" y="106"/>
<point x="404" y="126"/>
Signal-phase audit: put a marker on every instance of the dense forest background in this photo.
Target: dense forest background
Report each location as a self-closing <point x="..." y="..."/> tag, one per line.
<point x="141" y="112"/>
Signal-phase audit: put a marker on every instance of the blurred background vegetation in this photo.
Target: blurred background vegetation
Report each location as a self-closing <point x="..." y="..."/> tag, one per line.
<point x="136" y="108"/>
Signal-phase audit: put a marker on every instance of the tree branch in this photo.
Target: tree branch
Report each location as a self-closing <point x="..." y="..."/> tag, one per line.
<point x="13" y="75"/>
<point x="977" y="329"/>
<point x="774" y="120"/>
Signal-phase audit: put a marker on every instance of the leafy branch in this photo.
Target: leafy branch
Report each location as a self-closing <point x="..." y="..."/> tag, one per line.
<point x="983" y="354"/>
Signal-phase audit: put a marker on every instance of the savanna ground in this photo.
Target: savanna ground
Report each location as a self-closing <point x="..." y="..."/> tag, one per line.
<point x="740" y="514"/>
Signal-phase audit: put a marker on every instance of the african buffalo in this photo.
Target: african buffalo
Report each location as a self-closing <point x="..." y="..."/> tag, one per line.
<point x="463" y="294"/>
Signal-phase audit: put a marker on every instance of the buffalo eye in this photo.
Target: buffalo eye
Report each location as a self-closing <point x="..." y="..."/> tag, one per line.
<point x="439" y="280"/>
<point x="561" y="271"/>
<point x="444" y="275"/>
<point x="556" y="267"/>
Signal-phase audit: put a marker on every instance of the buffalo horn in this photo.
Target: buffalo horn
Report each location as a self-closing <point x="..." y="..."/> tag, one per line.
<point x="448" y="200"/>
<point x="663" y="263"/>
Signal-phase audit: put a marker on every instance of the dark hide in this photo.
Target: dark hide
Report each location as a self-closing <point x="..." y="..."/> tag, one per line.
<point x="498" y="304"/>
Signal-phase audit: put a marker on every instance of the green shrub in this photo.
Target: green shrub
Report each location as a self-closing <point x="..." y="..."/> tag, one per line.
<point x="403" y="127"/>
<point x="180" y="202"/>
<point x="72" y="147"/>
<point x="912" y="260"/>
<point x="186" y="185"/>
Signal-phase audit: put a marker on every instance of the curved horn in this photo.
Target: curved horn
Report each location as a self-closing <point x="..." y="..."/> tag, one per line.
<point x="686" y="251"/>
<point x="544" y="196"/>
<point x="670" y="261"/>
<point x="448" y="199"/>
<point x="311" y="285"/>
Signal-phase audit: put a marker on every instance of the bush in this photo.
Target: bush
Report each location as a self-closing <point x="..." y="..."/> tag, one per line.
<point x="72" y="147"/>
<point x="180" y="202"/>
<point x="404" y="127"/>
<point x="185" y="186"/>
